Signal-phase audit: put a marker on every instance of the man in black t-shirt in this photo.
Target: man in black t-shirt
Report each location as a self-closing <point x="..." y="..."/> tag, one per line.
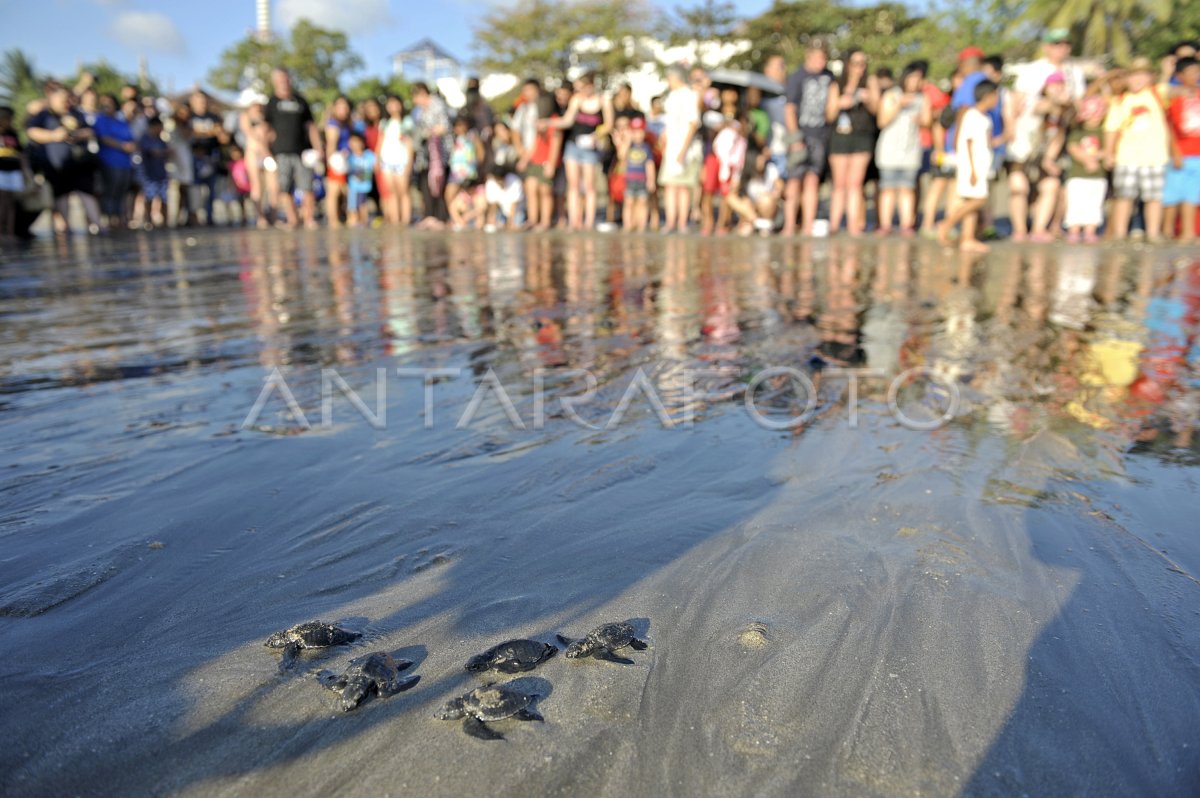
<point x="808" y="136"/>
<point x="208" y="134"/>
<point x="291" y="130"/>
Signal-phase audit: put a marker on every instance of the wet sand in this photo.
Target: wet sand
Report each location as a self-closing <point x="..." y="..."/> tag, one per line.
<point x="1007" y="604"/>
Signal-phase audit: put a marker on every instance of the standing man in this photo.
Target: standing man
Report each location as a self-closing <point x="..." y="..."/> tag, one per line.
<point x="1026" y="109"/>
<point x="290" y="131"/>
<point x="208" y="134"/>
<point x="808" y="136"/>
<point x="681" y="149"/>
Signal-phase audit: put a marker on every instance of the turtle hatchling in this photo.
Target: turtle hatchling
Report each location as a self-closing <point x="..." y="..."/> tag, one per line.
<point x="313" y="634"/>
<point x="488" y="703"/>
<point x="602" y="641"/>
<point x="512" y="656"/>
<point x="377" y="672"/>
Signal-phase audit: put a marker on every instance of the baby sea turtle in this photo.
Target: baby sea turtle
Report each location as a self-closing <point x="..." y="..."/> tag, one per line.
<point x="487" y="703"/>
<point x="313" y="634"/>
<point x="512" y="656"/>
<point x="602" y="641"/>
<point x="376" y="672"/>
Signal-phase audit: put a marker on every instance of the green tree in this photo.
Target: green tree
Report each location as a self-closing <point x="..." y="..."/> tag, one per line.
<point x="19" y="80"/>
<point x="887" y="32"/>
<point x="707" y="20"/>
<point x="1163" y="34"/>
<point x="107" y="79"/>
<point x="316" y="58"/>
<point x="1101" y="27"/>
<point x="379" y="88"/>
<point x="537" y="37"/>
<point x="246" y="62"/>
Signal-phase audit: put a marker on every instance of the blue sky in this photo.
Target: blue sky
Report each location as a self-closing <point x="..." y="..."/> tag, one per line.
<point x="183" y="38"/>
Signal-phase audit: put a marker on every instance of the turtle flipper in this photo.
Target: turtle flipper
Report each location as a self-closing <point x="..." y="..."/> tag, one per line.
<point x="290" y="652"/>
<point x="608" y="656"/>
<point x="528" y="714"/>
<point x="638" y="645"/>
<point x="331" y="680"/>
<point x="403" y="664"/>
<point x="479" y="730"/>
<point x="398" y="685"/>
<point x="566" y="641"/>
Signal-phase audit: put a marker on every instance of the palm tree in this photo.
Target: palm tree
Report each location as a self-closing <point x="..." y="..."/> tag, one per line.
<point x="18" y="78"/>
<point x="1100" y="27"/>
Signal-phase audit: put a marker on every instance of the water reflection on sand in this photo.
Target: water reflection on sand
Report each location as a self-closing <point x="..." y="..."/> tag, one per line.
<point x="1004" y="604"/>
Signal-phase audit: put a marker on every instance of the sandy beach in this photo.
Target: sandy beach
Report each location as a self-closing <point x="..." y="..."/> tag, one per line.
<point x="1006" y="604"/>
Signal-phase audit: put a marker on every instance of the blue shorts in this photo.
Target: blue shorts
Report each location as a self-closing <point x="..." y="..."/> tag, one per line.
<point x="779" y="159"/>
<point x="355" y="198"/>
<point x="1182" y="186"/>
<point x="155" y="189"/>
<point x="576" y="153"/>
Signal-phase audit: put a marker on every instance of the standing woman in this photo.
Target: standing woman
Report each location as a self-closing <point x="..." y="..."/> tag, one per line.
<point x="370" y="115"/>
<point x="585" y="113"/>
<point x="903" y="111"/>
<point x="395" y="163"/>
<point x="256" y="149"/>
<point x="851" y="108"/>
<point x="337" y="145"/>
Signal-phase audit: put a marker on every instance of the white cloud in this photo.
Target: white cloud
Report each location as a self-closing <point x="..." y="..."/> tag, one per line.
<point x="348" y="16"/>
<point x="147" y="31"/>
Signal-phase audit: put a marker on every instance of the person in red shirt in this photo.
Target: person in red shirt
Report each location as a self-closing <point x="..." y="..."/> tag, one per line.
<point x="1181" y="191"/>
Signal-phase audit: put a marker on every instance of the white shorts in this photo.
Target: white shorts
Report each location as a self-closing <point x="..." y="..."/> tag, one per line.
<point x="13" y="181"/>
<point x="506" y="194"/>
<point x="1085" y="201"/>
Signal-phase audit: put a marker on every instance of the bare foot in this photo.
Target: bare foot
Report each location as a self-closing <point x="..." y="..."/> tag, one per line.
<point x="977" y="247"/>
<point x="943" y="235"/>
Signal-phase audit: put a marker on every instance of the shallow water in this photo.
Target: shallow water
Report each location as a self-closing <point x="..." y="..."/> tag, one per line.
<point x="837" y="601"/>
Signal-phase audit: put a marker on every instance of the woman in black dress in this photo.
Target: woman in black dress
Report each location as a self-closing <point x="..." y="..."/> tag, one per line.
<point x="853" y="102"/>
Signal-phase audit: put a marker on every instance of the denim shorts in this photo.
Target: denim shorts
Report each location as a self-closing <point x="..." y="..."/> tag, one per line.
<point x="575" y="153"/>
<point x="897" y="178"/>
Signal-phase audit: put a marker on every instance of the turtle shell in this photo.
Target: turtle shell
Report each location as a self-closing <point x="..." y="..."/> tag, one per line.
<point x="612" y="635"/>
<point x="495" y="702"/>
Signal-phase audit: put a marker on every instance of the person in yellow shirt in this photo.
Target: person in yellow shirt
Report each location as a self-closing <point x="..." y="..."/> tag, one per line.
<point x="1137" y="150"/>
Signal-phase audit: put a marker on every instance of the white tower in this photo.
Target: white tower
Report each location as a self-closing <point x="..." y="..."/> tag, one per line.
<point x="262" y="20"/>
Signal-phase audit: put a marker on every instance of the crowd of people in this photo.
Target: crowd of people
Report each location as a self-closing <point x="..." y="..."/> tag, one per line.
<point x="1080" y="155"/>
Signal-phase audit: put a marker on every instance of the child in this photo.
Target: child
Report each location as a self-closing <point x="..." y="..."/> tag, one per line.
<point x="757" y="203"/>
<point x="729" y="148"/>
<point x="14" y="173"/>
<point x="503" y="190"/>
<point x="639" y="176"/>
<point x="465" y="154"/>
<point x="1086" y="181"/>
<point x="1137" y="149"/>
<point x="360" y="170"/>
<point x="973" y="162"/>
<point x="154" y="170"/>
<point x="396" y="155"/>
<point x="239" y="174"/>
<point x="1182" y="189"/>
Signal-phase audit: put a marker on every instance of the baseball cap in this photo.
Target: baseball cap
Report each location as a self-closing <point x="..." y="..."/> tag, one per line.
<point x="637" y="123"/>
<point x="1056" y="36"/>
<point x="969" y="52"/>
